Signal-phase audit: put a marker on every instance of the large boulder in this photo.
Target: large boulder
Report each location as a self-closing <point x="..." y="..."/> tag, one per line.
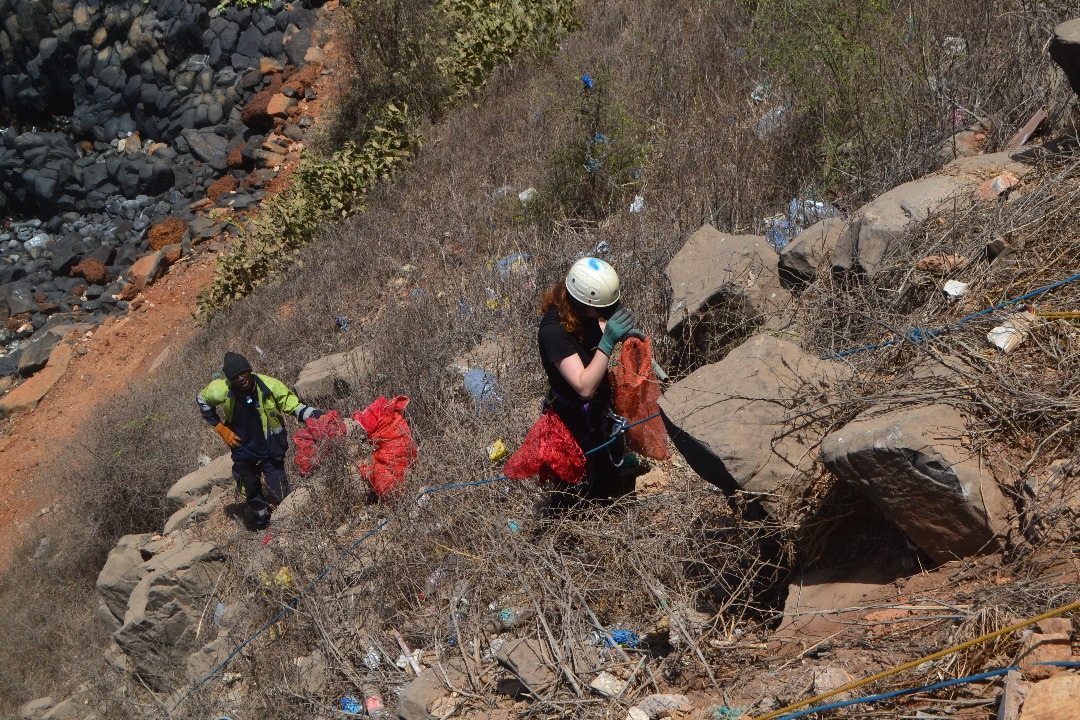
<point x="736" y="421"/>
<point x="534" y="672"/>
<point x="218" y="473"/>
<point x="121" y="574"/>
<point x="913" y="464"/>
<point x="1065" y="50"/>
<point x="714" y="268"/>
<point x="878" y="228"/>
<point x="334" y="377"/>
<point x="800" y="258"/>
<point x="165" y="607"/>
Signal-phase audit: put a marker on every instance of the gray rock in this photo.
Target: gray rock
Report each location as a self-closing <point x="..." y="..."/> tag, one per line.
<point x="165" y="607"/>
<point x="207" y="146"/>
<point x="36" y="709"/>
<point x="739" y="271"/>
<point x="19" y="298"/>
<point x="195" y="512"/>
<point x="121" y="574"/>
<point x="800" y="259"/>
<point x="199" y="483"/>
<point x="37" y="352"/>
<point x="1065" y="51"/>
<point x="877" y="230"/>
<point x="416" y="698"/>
<point x="529" y="664"/>
<point x="334" y="377"/>
<point x="913" y="464"/>
<point x="732" y="420"/>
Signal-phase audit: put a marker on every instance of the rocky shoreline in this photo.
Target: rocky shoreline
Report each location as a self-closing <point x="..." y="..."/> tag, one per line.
<point x="161" y="118"/>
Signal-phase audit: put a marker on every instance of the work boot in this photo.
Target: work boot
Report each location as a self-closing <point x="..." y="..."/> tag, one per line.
<point x="260" y="518"/>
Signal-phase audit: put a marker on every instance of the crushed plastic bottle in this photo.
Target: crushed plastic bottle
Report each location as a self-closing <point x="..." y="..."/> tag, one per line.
<point x="351" y="706"/>
<point x="483" y="388"/>
<point x="373" y="704"/>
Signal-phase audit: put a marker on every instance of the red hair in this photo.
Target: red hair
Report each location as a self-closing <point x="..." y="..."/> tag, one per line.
<point x="569" y="316"/>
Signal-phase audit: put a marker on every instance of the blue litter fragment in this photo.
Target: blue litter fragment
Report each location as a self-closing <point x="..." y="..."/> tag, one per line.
<point x="510" y="261"/>
<point x="351" y="705"/>
<point x="342" y="322"/>
<point x="484" y="388"/>
<point x="801" y="214"/>
<point x="418" y="292"/>
<point x="602" y="247"/>
<point x="602" y="138"/>
<point x="587" y="82"/>
<point x="622" y="638"/>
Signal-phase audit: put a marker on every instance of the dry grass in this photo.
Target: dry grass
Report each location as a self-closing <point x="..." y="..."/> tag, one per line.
<point x="414" y="277"/>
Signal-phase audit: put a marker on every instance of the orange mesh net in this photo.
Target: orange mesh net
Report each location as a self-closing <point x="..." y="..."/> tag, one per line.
<point x="635" y="390"/>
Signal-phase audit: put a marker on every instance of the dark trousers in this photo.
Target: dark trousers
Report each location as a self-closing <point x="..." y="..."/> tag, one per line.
<point x="249" y="475"/>
<point x="603" y="480"/>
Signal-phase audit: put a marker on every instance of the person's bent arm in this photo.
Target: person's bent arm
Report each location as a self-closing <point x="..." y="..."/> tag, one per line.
<point x="584" y="380"/>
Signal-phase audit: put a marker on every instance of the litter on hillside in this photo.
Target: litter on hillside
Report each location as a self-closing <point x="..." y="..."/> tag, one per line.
<point x="801" y="213"/>
<point x="954" y="289"/>
<point x="1011" y="334"/>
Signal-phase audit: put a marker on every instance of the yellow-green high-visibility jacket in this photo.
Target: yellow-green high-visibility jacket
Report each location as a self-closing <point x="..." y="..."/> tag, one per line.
<point x="272" y="400"/>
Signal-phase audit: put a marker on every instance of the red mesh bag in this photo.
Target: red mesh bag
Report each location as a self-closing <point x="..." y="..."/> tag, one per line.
<point x="309" y="439"/>
<point x="635" y="390"/>
<point x="549" y="451"/>
<point x="394" y="452"/>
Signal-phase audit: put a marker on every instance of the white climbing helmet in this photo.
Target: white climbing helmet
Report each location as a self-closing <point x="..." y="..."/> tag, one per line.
<point x="593" y="282"/>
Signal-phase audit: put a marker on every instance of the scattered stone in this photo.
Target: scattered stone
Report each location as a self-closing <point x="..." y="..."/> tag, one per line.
<point x="527" y="661"/>
<point x="1055" y="699"/>
<point x="146" y="270"/>
<point x="418" y="697"/>
<point x="29" y="394"/>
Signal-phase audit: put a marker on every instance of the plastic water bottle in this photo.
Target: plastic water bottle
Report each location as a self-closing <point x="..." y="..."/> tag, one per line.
<point x="373" y="704"/>
<point x="484" y="388"/>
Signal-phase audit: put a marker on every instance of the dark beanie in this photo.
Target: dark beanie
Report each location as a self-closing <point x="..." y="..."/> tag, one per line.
<point x="234" y="365"/>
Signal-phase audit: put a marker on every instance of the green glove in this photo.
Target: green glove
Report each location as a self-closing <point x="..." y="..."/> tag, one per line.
<point x="618" y="327"/>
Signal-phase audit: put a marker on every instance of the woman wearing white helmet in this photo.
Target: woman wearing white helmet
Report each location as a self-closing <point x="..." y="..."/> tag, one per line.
<point x="583" y="321"/>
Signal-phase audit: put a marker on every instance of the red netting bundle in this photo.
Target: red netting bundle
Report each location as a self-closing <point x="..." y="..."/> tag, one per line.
<point x="309" y="439"/>
<point x="549" y="451"/>
<point x="635" y="390"/>
<point x="394" y="452"/>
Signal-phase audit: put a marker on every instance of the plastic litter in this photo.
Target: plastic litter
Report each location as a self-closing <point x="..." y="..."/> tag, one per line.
<point x="623" y="638"/>
<point x="342" y="322"/>
<point x="371" y="658"/>
<point x="770" y="122"/>
<point x="638" y="205"/>
<point x="497" y="450"/>
<point x="603" y="248"/>
<point x="1011" y="334"/>
<point x="351" y="706"/>
<point x="954" y="289"/>
<point x="513" y="525"/>
<point x="483" y="388"/>
<point x="513" y="262"/>
<point x="801" y="214"/>
<point x="760" y="92"/>
<point x="587" y="82"/>
<point x="608" y="685"/>
<point x="418" y="292"/>
<point x="954" y="45"/>
<point x="527" y="195"/>
<point x="312" y="437"/>
<point x="219" y="611"/>
<point x="373" y="703"/>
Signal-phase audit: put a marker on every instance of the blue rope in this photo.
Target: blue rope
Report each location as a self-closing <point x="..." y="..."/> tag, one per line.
<point x="291" y="605"/>
<point x="918" y="335"/>
<point x="912" y="691"/>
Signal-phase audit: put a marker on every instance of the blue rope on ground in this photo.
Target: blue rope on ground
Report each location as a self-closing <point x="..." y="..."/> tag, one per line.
<point x="918" y="335"/>
<point x="912" y="691"/>
<point x="291" y="605"/>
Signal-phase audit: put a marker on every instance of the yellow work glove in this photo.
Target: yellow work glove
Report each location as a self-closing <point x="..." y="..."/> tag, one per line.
<point x="231" y="439"/>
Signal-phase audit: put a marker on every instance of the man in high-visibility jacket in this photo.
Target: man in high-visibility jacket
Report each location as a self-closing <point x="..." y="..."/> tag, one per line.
<point x="254" y="408"/>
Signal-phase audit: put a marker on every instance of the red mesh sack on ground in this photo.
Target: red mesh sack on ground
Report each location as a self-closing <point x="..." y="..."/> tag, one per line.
<point x="391" y="436"/>
<point x="635" y="390"/>
<point x="549" y="451"/>
<point x="309" y="439"/>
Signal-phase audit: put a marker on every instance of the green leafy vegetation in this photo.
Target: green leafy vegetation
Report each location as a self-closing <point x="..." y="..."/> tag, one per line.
<point x="426" y="56"/>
